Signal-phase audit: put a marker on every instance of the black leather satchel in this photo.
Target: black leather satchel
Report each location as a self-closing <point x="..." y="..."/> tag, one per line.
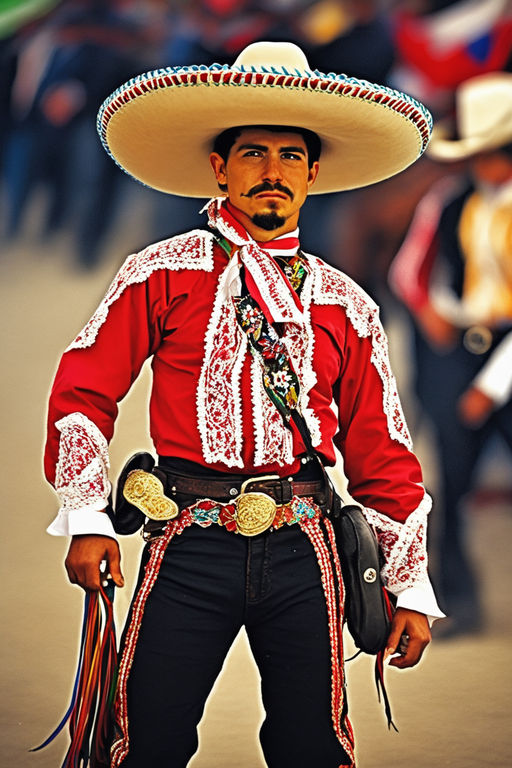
<point x="367" y="607"/>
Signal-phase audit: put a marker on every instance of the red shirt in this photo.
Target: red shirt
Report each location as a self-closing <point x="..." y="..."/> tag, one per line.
<point x="161" y="307"/>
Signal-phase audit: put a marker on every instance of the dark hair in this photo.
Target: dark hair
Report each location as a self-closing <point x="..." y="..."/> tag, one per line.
<point x="225" y="140"/>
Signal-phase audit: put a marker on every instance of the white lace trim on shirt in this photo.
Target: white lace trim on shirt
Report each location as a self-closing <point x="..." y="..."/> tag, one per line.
<point x="81" y="478"/>
<point x="403" y="545"/>
<point x="193" y="250"/>
<point x="334" y="287"/>
<point x="219" y="405"/>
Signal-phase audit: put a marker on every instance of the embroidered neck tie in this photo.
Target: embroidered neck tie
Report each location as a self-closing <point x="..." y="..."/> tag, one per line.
<point x="265" y="279"/>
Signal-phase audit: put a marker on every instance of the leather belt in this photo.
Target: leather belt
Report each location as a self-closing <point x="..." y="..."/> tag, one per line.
<point x="281" y="489"/>
<point x="161" y="493"/>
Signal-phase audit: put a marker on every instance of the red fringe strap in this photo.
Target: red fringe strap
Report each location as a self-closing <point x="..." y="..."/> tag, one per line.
<point x="158" y="547"/>
<point x="331" y="577"/>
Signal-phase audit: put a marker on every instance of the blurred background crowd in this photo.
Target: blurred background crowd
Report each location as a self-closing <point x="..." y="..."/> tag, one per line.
<point x="60" y="60"/>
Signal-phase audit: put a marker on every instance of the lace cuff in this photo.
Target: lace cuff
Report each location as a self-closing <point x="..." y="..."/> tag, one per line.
<point x="403" y="546"/>
<point x="81" y="479"/>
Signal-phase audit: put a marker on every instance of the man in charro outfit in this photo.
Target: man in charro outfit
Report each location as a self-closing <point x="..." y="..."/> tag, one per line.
<point x="217" y="428"/>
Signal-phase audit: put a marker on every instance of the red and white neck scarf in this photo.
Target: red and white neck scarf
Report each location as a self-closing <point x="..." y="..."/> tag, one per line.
<point x="265" y="280"/>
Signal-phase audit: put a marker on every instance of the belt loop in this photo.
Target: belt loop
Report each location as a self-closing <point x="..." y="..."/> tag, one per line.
<point x="286" y="490"/>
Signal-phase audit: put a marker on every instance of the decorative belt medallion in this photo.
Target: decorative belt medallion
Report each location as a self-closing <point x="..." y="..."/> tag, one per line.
<point x="255" y="511"/>
<point x="146" y="492"/>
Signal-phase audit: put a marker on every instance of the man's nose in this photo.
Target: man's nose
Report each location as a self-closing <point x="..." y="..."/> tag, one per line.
<point x="273" y="171"/>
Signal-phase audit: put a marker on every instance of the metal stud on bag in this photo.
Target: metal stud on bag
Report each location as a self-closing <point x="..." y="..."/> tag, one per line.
<point x="370" y="575"/>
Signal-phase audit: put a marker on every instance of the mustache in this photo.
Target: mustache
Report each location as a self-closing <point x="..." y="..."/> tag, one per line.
<point x="266" y="186"/>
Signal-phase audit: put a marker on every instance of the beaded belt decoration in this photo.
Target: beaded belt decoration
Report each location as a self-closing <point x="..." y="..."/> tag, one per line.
<point x="250" y="520"/>
<point x="251" y="513"/>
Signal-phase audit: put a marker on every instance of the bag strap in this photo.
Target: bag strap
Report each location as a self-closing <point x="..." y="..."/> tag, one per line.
<point x="267" y="344"/>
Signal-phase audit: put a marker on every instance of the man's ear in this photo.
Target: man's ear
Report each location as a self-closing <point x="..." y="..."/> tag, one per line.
<point x="219" y="168"/>
<point x="313" y="173"/>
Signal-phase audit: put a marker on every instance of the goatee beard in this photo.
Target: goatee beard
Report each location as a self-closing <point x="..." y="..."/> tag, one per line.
<point x="268" y="221"/>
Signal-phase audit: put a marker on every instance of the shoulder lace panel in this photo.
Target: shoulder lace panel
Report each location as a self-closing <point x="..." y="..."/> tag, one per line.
<point x="334" y="287"/>
<point x="193" y="250"/>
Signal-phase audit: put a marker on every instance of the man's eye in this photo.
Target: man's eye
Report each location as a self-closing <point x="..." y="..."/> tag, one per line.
<point x="291" y="156"/>
<point x="252" y="153"/>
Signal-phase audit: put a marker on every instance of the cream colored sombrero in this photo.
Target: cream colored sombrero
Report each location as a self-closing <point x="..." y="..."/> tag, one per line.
<point x="484" y="118"/>
<point x="160" y="126"/>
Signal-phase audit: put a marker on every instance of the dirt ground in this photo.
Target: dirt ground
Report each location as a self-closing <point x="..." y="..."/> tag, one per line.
<point x="454" y="710"/>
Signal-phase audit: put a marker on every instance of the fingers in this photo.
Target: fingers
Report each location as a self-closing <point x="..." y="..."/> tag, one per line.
<point x="409" y="636"/>
<point x="413" y="653"/>
<point x="114" y="564"/>
<point x="84" y="559"/>
<point x="397" y="630"/>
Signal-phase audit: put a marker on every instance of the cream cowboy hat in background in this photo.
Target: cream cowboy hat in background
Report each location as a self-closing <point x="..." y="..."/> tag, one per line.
<point x="484" y="118"/>
<point x="160" y="126"/>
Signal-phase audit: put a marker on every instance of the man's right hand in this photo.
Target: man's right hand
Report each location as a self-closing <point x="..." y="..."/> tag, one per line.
<point x="85" y="554"/>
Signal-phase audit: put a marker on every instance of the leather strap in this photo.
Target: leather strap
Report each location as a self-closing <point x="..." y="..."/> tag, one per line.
<point x="280" y="489"/>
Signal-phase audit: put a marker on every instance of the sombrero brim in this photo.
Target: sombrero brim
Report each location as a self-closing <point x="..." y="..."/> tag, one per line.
<point x="446" y="149"/>
<point x="160" y="126"/>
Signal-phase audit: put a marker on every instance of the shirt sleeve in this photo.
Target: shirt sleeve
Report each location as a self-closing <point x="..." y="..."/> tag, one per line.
<point x="383" y="473"/>
<point x="94" y="374"/>
<point x="495" y="378"/>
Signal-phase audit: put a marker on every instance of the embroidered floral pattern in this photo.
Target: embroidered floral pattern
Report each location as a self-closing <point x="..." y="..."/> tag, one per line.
<point x="81" y="479"/>
<point x="271" y="437"/>
<point x="279" y="379"/>
<point x="193" y="250"/>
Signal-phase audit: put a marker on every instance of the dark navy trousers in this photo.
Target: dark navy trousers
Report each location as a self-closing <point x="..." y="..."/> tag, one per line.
<point x="211" y="583"/>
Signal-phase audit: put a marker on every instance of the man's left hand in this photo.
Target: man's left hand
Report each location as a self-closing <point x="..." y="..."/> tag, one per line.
<point x="411" y="625"/>
<point x="474" y="407"/>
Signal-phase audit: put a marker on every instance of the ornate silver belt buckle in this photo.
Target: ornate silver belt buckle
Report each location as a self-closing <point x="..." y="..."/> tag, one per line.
<point x="477" y="339"/>
<point x="146" y="492"/>
<point x="255" y="511"/>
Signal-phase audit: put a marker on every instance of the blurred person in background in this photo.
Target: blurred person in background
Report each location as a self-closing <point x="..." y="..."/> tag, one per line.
<point x="437" y="45"/>
<point x="214" y="563"/>
<point x="454" y="273"/>
<point x="442" y="43"/>
<point x="65" y="65"/>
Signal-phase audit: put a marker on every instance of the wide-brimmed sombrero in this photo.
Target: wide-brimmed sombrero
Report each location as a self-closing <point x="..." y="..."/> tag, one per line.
<point x="483" y="116"/>
<point x="160" y="126"/>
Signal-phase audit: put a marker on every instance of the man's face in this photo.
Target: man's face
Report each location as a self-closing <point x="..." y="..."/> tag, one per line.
<point x="268" y="179"/>
<point x="492" y="168"/>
